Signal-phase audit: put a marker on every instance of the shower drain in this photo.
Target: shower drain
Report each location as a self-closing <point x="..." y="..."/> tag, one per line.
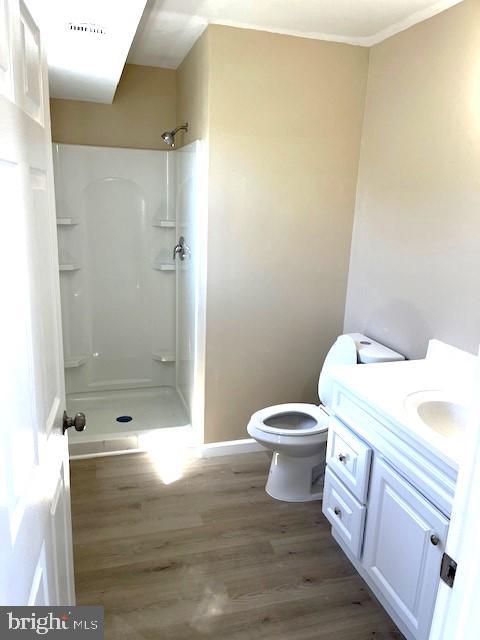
<point x="124" y="419"/>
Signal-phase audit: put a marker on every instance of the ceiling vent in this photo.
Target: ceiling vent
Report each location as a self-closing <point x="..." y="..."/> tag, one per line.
<point x="87" y="27"/>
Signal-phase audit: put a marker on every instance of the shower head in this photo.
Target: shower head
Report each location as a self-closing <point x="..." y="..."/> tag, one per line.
<point x="169" y="136"/>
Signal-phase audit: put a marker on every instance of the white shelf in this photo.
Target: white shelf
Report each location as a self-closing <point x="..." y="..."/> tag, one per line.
<point x="163" y="266"/>
<point x="74" y="361"/>
<point x="68" y="266"/>
<point x="67" y="221"/>
<point x="163" y="222"/>
<point x="163" y="356"/>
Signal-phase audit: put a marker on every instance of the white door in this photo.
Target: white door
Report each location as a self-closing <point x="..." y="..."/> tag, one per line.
<point x="35" y="524"/>
<point x="404" y="542"/>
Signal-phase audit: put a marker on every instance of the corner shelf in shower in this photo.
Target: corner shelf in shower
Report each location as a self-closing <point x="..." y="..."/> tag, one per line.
<point x="163" y="222"/>
<point x="71" y="362"/>
<point x="69" y="266"/>
<point x="163" y="356"/>
<point x="67" y="221"/>
<point x="163" y="266"/>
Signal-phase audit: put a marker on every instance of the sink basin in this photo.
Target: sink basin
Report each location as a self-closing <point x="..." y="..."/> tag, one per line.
<point x="437" y="411"/>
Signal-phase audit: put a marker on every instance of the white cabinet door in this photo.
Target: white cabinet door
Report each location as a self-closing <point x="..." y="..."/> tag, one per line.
<point x="36" y="565"/>
<point x="404" y="543"/>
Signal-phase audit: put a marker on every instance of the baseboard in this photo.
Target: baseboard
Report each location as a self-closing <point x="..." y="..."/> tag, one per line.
<point x="210" y="450"/>
<point x="97" y="448"/>
<point x="103" y="454"/>
<point x="229" y="448"/>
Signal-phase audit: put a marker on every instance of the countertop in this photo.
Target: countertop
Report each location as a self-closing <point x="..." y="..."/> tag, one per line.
<point x="385" y="386"/>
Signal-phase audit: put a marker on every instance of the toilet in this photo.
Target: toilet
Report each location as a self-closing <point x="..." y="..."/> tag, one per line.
<point x="296" y="433"/>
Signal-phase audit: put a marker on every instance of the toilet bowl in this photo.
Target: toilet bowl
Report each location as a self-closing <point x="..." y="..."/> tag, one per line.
<point x="296" y="433"/>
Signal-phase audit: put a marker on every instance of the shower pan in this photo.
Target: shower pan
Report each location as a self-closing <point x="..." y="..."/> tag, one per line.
<point x="128" y="307"/>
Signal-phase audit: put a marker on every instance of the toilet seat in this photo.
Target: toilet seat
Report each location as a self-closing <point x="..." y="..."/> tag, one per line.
<point x="291" y="419"/>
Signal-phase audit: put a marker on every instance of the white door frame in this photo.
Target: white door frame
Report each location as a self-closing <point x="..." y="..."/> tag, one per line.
<point x="457" y="611"/>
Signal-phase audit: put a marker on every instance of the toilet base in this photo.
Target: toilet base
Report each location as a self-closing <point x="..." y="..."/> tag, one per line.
<point x="295" y="479"/>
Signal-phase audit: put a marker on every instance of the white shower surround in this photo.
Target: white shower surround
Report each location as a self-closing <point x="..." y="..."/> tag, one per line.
<point x="117" y="211"/>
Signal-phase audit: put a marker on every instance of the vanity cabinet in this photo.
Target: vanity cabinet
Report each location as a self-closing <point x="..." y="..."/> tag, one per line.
<point x="404" y="542"/>
<point x="391" y="532"/>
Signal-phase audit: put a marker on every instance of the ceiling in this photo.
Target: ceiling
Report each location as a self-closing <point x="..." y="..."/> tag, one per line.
<point x="169" y="28"/>
<point x="85" y="64"/>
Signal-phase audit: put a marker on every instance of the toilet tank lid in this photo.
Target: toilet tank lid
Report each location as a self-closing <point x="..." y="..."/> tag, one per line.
<point x="369" y="350"/>
<point x="343" y="351"/>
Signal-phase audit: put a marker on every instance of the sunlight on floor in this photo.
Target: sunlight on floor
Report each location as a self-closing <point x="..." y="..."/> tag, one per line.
<point x="170" y="450"/>
<point x="213" y="604"/>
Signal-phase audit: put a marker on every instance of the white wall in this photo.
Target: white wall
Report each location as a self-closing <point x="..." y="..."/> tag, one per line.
<point x="188" y="226"/>
<point x="117" y="310"/>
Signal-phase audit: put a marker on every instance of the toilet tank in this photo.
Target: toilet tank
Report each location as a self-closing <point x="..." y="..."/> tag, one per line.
<point x="351" y="348"/>
<point x="369" y="350"/>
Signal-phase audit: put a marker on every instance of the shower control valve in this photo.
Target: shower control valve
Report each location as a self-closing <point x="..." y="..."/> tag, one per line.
<point x="180" y="249"/>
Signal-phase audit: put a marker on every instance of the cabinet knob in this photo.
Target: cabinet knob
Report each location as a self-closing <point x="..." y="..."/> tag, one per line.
<point x="434" y="540"/>
<point x="337" y="511"/>
<point x="342" y="458"/>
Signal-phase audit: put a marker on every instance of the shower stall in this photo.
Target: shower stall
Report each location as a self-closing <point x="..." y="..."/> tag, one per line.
<point x="131" y="250"/>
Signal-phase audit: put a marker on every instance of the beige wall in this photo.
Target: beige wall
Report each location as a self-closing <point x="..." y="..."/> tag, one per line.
<point x="144" y="107"/>
<point x="285" y="118"/>
<point x="415" y="264"/>
<point x="193" y="81"/>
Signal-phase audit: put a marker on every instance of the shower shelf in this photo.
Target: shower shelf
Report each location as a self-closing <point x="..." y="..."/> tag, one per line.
<point x="67" y="221"/>
<point x="163" y="356"/>
<point x="163" y="266"/>
<point x="74" y="361"/>
<point x="68" y="266"/>
<point x="163" y="222"/>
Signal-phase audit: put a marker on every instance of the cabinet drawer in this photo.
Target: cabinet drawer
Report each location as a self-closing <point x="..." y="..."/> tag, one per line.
<point x="344" y="512"/>
<point x="350" y="458"/>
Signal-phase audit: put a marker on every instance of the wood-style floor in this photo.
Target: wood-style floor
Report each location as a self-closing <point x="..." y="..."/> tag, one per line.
<point x="211" y="556"/>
